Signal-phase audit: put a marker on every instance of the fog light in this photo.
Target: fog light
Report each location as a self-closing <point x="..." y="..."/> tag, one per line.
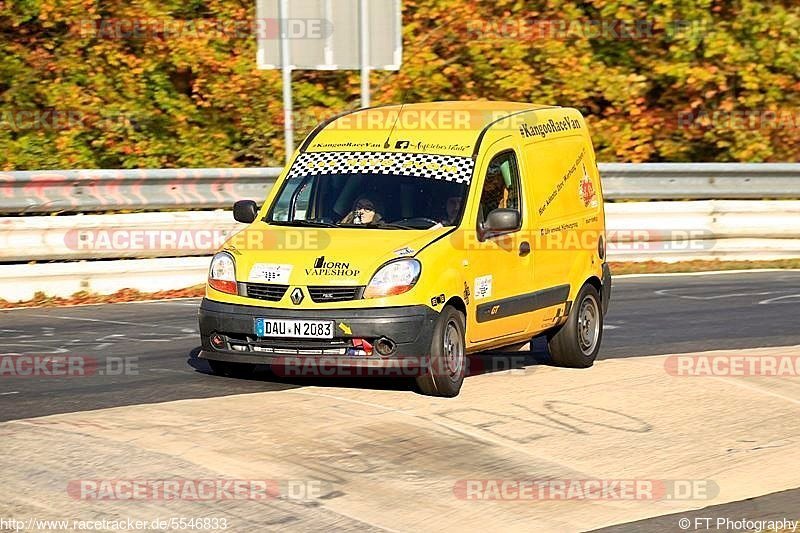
<point x="217" y="341"/>
<point x="384" y="346"/>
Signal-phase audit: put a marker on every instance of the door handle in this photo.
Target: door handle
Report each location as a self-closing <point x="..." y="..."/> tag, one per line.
<point x="524" y="248"/>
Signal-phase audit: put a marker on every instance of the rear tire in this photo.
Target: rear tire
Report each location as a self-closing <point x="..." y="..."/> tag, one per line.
<point x="448" y="358"/>
<point x="576" y="343"/>
<point x="234" y="370"/>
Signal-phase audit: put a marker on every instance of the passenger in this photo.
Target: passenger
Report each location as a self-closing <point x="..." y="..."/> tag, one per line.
<point x="452" y="207"/>
<point x="495" y="194"/>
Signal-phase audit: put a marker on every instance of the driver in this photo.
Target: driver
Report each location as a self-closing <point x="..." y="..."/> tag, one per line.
<point x="364" y="212"/>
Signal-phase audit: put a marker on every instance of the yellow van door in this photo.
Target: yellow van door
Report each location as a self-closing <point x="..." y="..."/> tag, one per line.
<point x="563" y="215"/>
<point x="500" y="269"/>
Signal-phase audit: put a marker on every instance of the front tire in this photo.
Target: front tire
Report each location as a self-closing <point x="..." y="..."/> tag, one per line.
<point x="448" y="359"/>
<point x="577" y="342"/>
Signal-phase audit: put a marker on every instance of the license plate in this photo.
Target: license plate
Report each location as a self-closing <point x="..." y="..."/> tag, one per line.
<point x="297" y="329"/>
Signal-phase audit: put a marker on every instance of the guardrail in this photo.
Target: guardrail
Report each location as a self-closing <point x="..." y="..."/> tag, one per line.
<point x="633" y="228"/>
<point x="52" y="191"/>
<point x="695" y="181"/>
<point x="167" y="247"/>
<point x="55" y="191"/>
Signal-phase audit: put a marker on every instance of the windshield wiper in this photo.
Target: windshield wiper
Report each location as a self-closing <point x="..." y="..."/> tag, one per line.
<point x="304" y="223"/>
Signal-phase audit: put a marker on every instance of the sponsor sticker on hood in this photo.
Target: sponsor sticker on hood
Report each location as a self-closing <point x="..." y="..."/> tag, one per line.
<point x="404" y="251"/>
<point x="270" y="273"/>
<point x="331" y="268"/>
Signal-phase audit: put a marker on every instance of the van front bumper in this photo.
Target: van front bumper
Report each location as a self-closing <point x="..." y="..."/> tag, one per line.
<point x="410" y="328"/>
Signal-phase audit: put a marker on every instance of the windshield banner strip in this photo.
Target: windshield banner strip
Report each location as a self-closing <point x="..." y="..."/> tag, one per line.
<point x="440" y="167"/>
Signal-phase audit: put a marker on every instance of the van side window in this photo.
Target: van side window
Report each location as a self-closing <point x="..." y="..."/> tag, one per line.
<point x="501" y="186"/>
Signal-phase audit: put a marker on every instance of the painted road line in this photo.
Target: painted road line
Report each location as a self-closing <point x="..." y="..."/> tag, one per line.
<point x="114" y="322"/>
<point x="704" y="273"/>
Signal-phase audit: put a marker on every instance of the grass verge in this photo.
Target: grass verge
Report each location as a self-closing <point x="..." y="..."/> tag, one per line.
<point x="655" y="267"/>
<point x="124" y="295"/>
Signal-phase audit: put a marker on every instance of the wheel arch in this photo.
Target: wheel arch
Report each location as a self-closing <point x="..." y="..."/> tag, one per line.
<point x="458" y="303"/>
<point x="596" y="283"/>
<point x="603" y="289"/>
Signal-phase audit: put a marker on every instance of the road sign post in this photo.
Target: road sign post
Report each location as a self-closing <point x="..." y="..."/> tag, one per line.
<point x="286" y="66"/>
<point x="363" y="26"/>
<point x="362" y="35"/>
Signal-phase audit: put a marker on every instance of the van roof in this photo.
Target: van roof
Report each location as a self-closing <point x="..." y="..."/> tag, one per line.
<point x="447" y="128"/>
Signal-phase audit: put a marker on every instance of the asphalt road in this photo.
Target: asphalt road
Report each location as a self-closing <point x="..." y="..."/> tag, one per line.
<point x="144" y="352"/>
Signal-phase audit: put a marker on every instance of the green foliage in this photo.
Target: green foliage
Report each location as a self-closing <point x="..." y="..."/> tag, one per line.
<point x="703" y="80"/>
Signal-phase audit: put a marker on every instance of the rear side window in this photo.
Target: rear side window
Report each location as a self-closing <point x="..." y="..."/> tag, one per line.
<point x="501" y="185"/>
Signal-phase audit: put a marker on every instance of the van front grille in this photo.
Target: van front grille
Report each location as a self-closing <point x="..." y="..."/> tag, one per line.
<point x="264" y="291"/>
<point x="335" y="294"/>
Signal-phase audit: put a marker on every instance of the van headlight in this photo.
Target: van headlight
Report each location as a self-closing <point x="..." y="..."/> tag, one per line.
<point x="395" y="277"/>
<point x="222" y="273"/>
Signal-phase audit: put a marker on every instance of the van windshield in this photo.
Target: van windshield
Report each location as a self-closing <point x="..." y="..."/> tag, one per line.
<point x="368" y="200"/>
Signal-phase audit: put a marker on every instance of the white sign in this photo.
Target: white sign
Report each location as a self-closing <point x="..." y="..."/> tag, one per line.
<point x="325" y="34"/>
<point x="270" y="273"/>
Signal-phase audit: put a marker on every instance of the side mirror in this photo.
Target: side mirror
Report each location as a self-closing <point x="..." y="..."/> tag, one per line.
<point x="245" y="211"/>
<point x="500" y="221"/>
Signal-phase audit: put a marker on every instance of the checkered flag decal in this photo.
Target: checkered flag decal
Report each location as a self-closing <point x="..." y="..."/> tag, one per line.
<point x="438" y="167"/>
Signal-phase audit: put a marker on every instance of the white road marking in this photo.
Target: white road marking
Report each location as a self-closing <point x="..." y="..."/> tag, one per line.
<point x="32" y="349"/>
<point x="610" y="326"/>
<point x="118" y="322"/>
<point x="8" y="393"/>
<point x="705" y="273"/>
<point x="666" y="292"/>
<point x="166" y="300"/>
<point x="744" y="385"/>
<point x="737" y="382"/>
<point x="773" y="300"/>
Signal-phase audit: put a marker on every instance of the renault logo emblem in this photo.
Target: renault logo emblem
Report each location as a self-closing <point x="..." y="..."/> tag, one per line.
<point x="297" y="296"/>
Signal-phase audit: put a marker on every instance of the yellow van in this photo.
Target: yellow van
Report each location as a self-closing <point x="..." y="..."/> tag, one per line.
<point x="411" y="236"/>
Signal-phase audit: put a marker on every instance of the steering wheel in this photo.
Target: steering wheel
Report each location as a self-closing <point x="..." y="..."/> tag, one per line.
<point x="423" y="219"/>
